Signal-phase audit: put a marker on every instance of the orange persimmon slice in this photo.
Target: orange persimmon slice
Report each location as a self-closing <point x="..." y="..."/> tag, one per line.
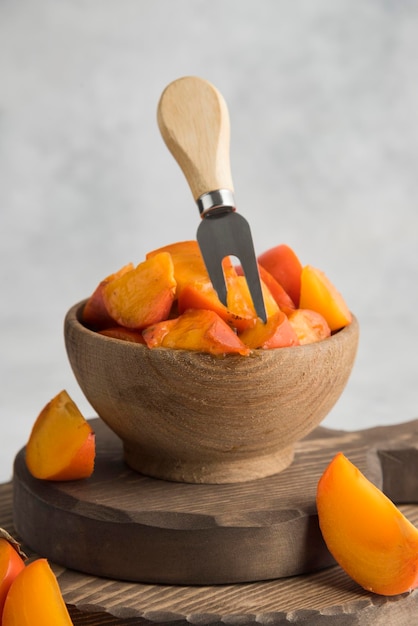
<point x="277" y="332"/>
<point x="309" y="326"/>
<point x="238" y="292"/>
<point x="319" y="294"/>
<point x="35" y="598"/>
<point x="124" y="334"/>
<point x="198" y="330"/>
<point x="188" y="262"/>
<point x="365" y="532"/>
<point x="195" y="290"/>
<point x="94" y="312"/>
<point x="61" y="445"/>
<point x="11" y="563"/>
<point x="284" y="265"/>
<point x="144" y="295"/>
<point x="281" y="296"/>
<point x="239" y="312"/>
<point x="278" y="292"/>
<point x="154" y="335"/>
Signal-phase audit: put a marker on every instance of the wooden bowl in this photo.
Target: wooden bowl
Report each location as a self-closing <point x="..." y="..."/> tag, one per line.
<point x="192" y="417"/>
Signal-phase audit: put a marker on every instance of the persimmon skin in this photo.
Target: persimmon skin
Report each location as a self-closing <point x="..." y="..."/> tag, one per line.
<point x="136" y="299"/>
<point x="284" y="265"/>
<point x="144" y="295"/>
<point x="35" y="598"/>
<point x="239" y="312"/>
<point x="125" y="334"/>
<point x="194" y="289"/>
<point x="198" y="330"/>
<point x="365" y="532"/>
<point x="94" y="313"/>
<point x="277" y="332"/>
<point x="82" y="463"/>
<point x="154" y="335"/>
<point x="61" y="445"/>
<point x="280" y="295"/>
<point x="241" y="287"/>
<point x="201" y="295"/>
<point x="188" y="262"/>
<point x="11" y="563"/>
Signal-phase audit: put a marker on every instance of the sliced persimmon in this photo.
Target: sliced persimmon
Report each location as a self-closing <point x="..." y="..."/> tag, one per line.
<point x="11" y="563"/>
<point x="239" y="293"/>
<point x="94" y="314"/>
<point x="277" y="332"/>
<point x="284" y="265"/>
<point x="198" y="330"/>
<point x="201" y="295"/>
<point x="144" y="295"/>
<point x="125" y="334"/>
<point x="189" y="266"/>
<point x="365" y="532"/>
<point x="61" y="445"/>
<point x="279" y="294"/>
<point x="319" y="294"/>
<point x="239" y="312"/>
<point x="309" y="326"/>
<point x="35" y="598"/>
<point x="154" y="335"/>
<point x="188" y="262"/>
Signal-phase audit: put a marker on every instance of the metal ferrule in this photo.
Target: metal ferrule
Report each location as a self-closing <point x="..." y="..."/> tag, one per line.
<point x="218" y="201"/>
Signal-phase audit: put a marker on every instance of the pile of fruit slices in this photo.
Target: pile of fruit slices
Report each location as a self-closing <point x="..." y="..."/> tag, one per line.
<point x="168" y="301"/>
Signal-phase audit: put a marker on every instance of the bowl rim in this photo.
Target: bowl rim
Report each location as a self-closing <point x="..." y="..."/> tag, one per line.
<point x="73" y="318"/>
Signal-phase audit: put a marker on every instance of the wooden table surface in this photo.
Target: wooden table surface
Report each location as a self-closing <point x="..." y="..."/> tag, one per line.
<point x="319" y="598"/>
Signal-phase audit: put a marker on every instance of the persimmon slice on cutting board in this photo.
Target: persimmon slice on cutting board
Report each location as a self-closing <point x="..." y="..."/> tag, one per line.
<point x="365" y="532"/>
<point x="61" y="445"/>
<point x="11" y="563"/>
<point x="35" y="599"/>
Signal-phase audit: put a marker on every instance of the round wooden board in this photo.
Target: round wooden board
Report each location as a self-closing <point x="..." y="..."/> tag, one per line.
<point x="323" y="597"/>
<point x="124" y="525"/>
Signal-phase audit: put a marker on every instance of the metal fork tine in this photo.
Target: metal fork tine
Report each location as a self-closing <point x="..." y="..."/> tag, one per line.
<point x="229" y="234"/>
<point x="212" y="255"/>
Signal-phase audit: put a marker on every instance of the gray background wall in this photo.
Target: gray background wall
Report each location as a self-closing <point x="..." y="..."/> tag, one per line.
<point x="323" y="99"/>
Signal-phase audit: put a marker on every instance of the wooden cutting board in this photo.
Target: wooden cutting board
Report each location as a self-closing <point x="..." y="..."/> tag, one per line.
<point x="178" y="540"/>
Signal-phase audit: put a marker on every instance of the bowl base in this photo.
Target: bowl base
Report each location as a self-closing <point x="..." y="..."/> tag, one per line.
<point x="216" y="472"/>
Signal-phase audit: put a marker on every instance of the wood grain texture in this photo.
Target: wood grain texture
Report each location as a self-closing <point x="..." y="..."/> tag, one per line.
<point x="192" y="417"/>
<point x="159" y="531"/>
<point x="194" y="122"/>
<point x="318" y="598"/>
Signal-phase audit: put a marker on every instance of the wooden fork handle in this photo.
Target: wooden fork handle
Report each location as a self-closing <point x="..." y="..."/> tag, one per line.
<point x="194" y="123"/>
